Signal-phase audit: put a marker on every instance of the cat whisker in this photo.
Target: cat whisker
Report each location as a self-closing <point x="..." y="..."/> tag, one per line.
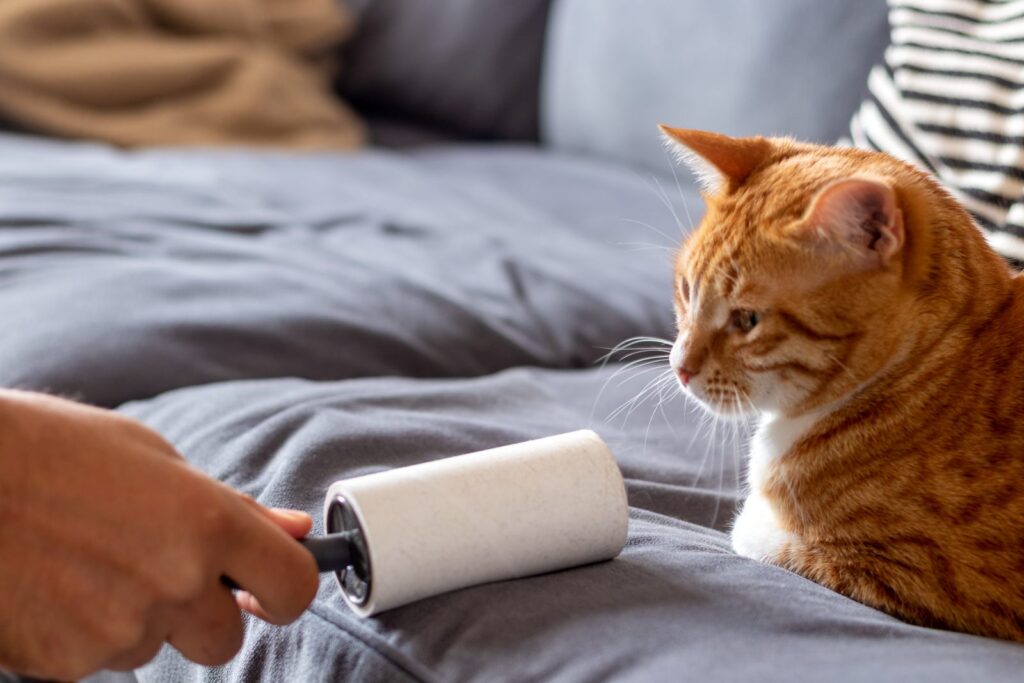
<point x="643" y="224"/>
<point x="707" y="424"/>
<point x="667" y="388"/>
<point x="668" y="203"/>
<point x="631" y="403"/>
<point x="646" y="393"/>
<point x="644" y="355"/>
<point x="656" y="357"/>
<point x="634" y="340"/>
<point x="751" y="410"/>
<point x="644" y="246"/>
<point x="721" y="483"/>
<point x="661" y="350"/>
<point x="656" y="346"/>
<point x="661" y="399"/>
<point x="630" y="344"/>
<point x="639" y="365"/>
<point x="679" y="188"/>
<point x="650" y="365"/>
<point x="738" y="447"/>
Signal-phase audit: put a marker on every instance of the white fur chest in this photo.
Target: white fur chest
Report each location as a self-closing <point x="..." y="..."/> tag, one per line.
<point x="756" y="532"/>
<point x="773" y="438"/>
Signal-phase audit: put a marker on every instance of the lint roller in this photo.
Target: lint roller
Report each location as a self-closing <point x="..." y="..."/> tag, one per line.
<point x="406" y="534"/>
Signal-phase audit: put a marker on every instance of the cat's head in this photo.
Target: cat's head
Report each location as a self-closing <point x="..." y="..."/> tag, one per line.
<point x="789" y="294"/>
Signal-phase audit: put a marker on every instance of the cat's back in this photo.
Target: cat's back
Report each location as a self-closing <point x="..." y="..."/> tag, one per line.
<point x="991" y="374"/>
<point x="962" y="427"/>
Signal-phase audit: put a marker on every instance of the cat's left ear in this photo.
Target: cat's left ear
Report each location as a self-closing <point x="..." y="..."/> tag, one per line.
<point x="718" y="161"/>
<point x="859" y="216"/>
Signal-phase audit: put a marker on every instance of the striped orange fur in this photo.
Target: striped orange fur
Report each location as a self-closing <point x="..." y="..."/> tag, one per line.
<point x="847" y="299"/>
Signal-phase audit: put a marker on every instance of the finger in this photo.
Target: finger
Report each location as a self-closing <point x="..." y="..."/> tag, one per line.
<point x="157" y="630"/>
<point x="208" y="630"/>
<point x="266" y="561"/>
<point x="295" y="523"/>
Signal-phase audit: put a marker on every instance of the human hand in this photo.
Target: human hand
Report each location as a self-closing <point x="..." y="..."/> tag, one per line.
<point x="111" y="545"/>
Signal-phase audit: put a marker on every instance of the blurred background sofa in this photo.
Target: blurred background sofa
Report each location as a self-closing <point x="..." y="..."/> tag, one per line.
<point x="595" y="77"/>
<point x="291" y="317"/>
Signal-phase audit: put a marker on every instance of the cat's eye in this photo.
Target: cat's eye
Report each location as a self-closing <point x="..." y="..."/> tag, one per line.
<point x="745" y="321"/>
<point x="684" y="289"/>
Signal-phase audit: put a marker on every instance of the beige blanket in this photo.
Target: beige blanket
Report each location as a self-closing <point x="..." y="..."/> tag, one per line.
<point x="176" y="72"/>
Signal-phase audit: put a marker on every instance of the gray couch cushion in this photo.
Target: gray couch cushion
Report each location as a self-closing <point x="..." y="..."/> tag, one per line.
<point x="677" y="605"/>
<point x="127" y="274"/>
<point x="469" y="66"/>
<point x="614" y="68"/>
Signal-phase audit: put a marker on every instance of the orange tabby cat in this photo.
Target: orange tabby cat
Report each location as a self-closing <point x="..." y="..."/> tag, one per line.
<point x="849" y="300"/>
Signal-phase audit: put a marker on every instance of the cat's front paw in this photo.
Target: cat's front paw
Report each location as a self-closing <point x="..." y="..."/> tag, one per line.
<point x="757" y="534"/>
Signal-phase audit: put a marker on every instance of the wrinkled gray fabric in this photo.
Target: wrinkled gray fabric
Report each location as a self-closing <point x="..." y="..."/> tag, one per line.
<point x="290" y="320"/>
<point x="676" y="605"/>
<point x="614" y="69"/>
<point x="147" y="272"/>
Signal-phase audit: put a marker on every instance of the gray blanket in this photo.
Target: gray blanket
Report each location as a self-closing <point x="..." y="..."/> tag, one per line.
<point x="287" y="321"/>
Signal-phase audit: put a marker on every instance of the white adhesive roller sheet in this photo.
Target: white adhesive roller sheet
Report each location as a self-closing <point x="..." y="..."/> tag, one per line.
<point x="498" y="514"/>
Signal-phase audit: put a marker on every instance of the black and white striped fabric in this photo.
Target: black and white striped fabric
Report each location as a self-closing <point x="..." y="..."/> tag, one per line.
<point x="950" y="99"/>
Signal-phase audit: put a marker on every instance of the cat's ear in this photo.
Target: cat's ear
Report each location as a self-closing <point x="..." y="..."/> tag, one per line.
<point x="859" y="216"/>
<point x="717" y="160"/>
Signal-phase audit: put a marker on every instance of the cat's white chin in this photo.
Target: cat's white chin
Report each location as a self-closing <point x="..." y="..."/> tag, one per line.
<point x="732" y="410"/>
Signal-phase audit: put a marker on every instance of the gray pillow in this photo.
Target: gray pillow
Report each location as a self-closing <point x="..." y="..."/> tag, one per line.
<point x="615" y="68"/>
<point x="471" y="67"/>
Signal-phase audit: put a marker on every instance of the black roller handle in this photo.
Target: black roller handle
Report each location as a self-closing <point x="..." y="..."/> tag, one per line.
<point x="333" y="553"/>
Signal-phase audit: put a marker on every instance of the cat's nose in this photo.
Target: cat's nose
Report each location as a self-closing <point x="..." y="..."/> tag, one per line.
<point x="686" y="358"/>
